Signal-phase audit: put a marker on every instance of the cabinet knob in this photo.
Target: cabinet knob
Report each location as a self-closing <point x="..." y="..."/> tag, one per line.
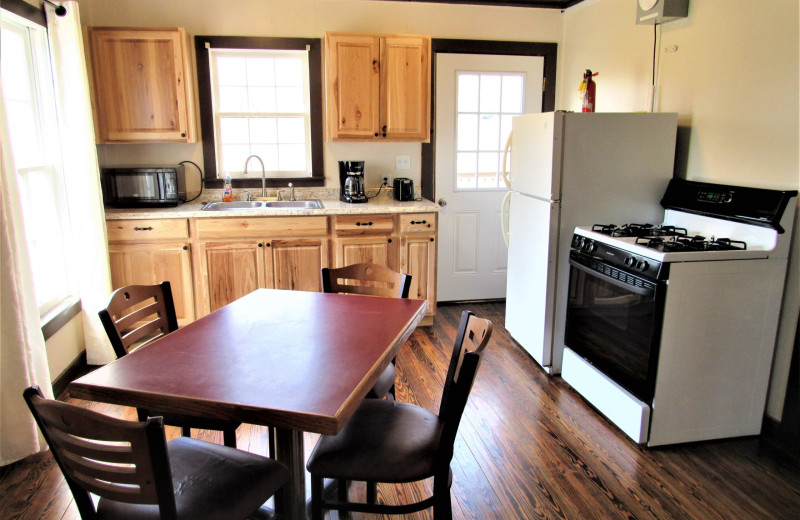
<point x="376" y="134"/>
<point x="260" y="244"/>
<point x="183" y="134"/>
<point x="390" y="240"/>
<point x="431" y="239"/>
<point x="185" y="248"/>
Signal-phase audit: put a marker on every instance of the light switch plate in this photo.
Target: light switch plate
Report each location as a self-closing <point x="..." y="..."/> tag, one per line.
<point x="402" y="162"/>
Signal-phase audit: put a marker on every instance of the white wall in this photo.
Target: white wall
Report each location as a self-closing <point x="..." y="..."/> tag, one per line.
<point x="312" y="18"/>
<point x="731" y="73"/>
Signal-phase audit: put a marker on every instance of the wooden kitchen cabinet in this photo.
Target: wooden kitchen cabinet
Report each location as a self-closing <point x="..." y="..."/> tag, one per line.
<point x="378" y="87"/>
<point x="147" y="252"/>
<point x="141" y="85"/>
<point x="364" y="238"/>
<point x="418" y="257"/>
<point x="239" y="255"/>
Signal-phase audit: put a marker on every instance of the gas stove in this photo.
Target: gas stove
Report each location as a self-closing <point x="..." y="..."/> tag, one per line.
<point x="670" y="328"/>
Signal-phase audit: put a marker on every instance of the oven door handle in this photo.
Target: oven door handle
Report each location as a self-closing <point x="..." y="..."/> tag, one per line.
<point x="642" y="291"/>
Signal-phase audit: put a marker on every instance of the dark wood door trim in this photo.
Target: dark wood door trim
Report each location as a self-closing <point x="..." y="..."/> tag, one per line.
<point x="549" y="51"/>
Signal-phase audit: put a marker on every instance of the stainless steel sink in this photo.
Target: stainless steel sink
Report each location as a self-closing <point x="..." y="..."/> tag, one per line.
<point x="240" y="205"/>
<point x="294" y="204"/>
<point x="233" y="206"/>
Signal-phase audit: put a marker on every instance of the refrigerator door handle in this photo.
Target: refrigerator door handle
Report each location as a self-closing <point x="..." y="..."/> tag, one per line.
<point x="504" y="216"/>
<point x="504" y="172"/>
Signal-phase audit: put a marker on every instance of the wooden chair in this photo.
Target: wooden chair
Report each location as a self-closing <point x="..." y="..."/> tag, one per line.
<point x="389" y="441"/>
<point x="371" y="280"/>
<point x="136" y="316"/>
<point x="139" y="475"/>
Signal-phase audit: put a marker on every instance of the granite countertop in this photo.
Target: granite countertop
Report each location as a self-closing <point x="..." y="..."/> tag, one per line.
<point x="382" y="204"/>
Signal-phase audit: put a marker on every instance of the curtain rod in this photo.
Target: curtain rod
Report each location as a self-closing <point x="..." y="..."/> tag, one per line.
<point x="60" y="9"/>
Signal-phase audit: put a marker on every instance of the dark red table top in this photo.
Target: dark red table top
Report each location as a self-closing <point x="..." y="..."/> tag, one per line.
<point x="290" y="359"/>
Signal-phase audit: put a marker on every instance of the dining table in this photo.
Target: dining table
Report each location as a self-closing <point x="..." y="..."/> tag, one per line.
<point x="293" y="360"/>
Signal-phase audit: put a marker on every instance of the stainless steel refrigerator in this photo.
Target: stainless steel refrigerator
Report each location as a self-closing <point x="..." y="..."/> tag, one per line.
<point x="570" y="169"/>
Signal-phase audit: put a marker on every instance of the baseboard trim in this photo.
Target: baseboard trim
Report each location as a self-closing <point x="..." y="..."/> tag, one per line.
<point x="75" y="369"/>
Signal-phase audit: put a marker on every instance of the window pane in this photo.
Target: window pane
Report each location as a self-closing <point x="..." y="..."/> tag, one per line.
<point x="512" y="94"/>
<point x="234" y="130"/>
<point x="468" y="92"/>
<point x="233" y="157"/>
<point x="292" y="157"/>
<point x="262" y="99"/>
<point x="487" y="169"/>
<point x="268" y="154"/>
<point x="231" y="71"/>
<point x="261" y="72"/>
<point x="291" y="130"/>
<point x="466" y="165"/>
<point x="289" y="99"/>
<point x="467" y="132"/>
<point x="490" y="93"/>
<point x="489" y="137"/>
<point x="263" y="130"/>
<point x="233" y="99"/>
<point x="289" y="72"/>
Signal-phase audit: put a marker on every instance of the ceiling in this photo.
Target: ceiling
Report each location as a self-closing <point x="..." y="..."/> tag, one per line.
<point x="549" y="4"/>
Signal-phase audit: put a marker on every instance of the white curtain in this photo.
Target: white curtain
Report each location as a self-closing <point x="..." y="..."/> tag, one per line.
<point x="23" y="359"/>
<point x="81" y="175"/>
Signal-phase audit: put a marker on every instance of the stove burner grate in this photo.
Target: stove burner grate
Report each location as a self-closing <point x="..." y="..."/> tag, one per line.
<point x="639" y="230"/>
<point x="693" y="243"/>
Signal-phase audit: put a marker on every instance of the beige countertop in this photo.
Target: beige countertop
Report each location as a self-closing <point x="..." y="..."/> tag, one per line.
<point x="381" y="204"/>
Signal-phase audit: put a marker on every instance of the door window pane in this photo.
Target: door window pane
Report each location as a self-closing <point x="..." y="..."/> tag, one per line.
<point x="486" y="102"/>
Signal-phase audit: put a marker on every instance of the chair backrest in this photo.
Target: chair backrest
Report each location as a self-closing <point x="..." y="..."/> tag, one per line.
<point x="471" y="339"/>
<point x="115" y="459"/>
<point x="137" y="315"/>
<point x="369" y="279"/>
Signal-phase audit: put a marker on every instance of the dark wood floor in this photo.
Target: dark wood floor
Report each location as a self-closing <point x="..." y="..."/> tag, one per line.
<point x="528" y="447"/>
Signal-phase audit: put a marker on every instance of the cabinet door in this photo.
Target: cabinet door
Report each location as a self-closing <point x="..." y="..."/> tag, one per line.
<point x="232" y="270"/>
<point x="372" y="249"/>
<point x="405" y="88"/>
<point x="352" y="79"/>
<point x="149" y="264"/>
<point x="140" y="85"/>
<point x="295" y="264"/>
<point x="418" y="258"/>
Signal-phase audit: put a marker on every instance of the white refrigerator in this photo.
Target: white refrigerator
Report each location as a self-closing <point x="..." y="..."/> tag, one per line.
<point x="566" y="170"/>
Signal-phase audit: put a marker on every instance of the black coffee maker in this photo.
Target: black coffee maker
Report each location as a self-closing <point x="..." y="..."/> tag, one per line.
<point x="351" y="181"/>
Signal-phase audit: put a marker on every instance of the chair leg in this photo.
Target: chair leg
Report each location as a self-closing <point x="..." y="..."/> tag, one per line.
<point x="186" y="431"/>
<point x="316" y="497"/>
<point x="442" y="508"/>
<point x="271" y="441"/>
<point x="372" y="492"/>
<point x="229" y="437"/>
<point x="341" y="490"/>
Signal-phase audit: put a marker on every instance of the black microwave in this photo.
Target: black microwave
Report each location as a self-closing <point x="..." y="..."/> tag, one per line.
<point x="140" y="187"/>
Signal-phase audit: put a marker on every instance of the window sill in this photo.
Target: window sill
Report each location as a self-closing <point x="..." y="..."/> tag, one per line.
<point x="53" y="320"/>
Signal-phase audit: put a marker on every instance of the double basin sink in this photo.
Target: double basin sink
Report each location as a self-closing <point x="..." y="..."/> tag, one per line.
<point x="240" y="205"/>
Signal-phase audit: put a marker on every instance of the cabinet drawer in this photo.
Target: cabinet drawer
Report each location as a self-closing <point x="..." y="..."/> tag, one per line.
<point x="261" y="227"/>
<point x="363" y="224"/>
<point x="151" y="229"/>
<point x="418" y="223"/>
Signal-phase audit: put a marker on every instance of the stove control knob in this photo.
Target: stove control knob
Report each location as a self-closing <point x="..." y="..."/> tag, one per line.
<point x="642" y="265"/>
<point x="589" y="246"/>
<point x="630" y="261"/>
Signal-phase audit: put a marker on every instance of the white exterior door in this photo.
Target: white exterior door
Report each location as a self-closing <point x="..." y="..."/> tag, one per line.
<point x="476" y="98"/>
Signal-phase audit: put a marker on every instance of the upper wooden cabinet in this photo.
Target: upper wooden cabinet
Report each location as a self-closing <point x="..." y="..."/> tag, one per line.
<point x="378" y="87"/>
<point x="141" y="86"/>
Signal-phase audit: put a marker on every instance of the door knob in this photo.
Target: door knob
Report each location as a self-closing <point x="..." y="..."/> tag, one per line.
<point x="442" y="202"/>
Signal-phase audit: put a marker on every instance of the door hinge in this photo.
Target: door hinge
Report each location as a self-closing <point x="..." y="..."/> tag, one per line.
<point x="544" y="84"/>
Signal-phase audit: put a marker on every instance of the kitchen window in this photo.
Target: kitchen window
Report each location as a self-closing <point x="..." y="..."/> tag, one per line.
<point x="31" y="113"/>
<point x="261" y="96"/>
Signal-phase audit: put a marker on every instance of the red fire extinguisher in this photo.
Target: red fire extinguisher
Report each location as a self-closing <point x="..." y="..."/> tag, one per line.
<point x="587" y="90"/>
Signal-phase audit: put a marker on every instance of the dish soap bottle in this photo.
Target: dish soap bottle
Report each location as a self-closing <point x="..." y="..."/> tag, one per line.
<point x="227" y="196"/>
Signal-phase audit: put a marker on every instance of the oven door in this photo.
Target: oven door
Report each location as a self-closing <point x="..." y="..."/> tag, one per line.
<point x="614" y="321"/>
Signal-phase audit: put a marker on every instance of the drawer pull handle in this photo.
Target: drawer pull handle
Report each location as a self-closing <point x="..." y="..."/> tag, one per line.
<point x="363" y="223"/>
<point x="149" y="228"/>
<point x="185" y="248"/>
<point x="418" y="222"/>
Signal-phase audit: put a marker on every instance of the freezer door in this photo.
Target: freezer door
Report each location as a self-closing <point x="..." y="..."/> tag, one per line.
<point x="536" y="156"/>
<point x="532" y="270"/>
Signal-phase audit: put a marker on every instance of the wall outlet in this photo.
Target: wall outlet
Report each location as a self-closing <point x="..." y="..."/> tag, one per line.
<point x="386" y="178"/>
<point x="402" y="162"/>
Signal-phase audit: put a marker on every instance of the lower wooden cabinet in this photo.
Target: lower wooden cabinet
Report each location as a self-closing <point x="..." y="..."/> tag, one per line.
<point x="147" y="252"/>
<point x="211" y="262"/>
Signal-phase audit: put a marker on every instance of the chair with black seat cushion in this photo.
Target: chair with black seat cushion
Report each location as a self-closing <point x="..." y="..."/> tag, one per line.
<point x="372" y="280"/>
<point x="135" y="317"/>
<point x="394" y="442"/>
<point x="138" y="475"/>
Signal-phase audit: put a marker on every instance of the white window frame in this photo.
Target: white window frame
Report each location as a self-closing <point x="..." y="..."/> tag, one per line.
<point x="50" y="241"/>
<point x="216" y="53"/>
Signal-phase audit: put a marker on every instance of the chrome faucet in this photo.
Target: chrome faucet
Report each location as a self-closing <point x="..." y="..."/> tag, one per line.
<point x="291" y="191"/>
<point x="263" y="174"/>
